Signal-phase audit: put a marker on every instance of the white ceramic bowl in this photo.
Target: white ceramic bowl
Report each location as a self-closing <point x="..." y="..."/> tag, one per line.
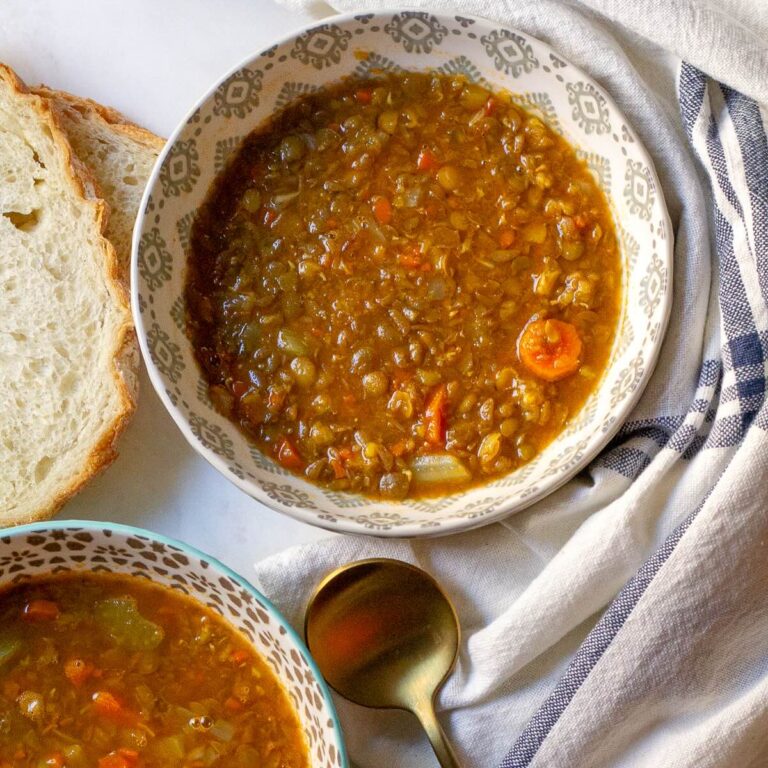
<point x="567" y="99"/>
<point x="65" y="546"/>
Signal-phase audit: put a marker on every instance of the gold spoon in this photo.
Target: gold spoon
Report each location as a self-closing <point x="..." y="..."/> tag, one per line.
<point x="385" y="635"/>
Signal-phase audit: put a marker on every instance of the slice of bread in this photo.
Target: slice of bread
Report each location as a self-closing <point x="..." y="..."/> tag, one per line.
<point x="118" y="153"/>
<point x="68" y="354"/>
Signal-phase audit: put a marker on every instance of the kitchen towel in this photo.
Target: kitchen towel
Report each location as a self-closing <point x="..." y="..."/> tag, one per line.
<point x="623" y="621"/>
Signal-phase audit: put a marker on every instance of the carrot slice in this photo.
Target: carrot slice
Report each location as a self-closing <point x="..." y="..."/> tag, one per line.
<point x="288" y="454"/>
<point x="116" y="760"/>
<point x="435" y="415"/>
<point x="109" y="707"/>
<point x="382" y="209"/>
<point x="550" y="349"/>
<point x="426" y="160"/>
<point x="41" y="610"/>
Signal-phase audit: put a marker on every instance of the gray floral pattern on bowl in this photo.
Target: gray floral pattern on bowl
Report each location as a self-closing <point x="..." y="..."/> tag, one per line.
<point x="57" y="547"/>
<point x="567" y="99"/>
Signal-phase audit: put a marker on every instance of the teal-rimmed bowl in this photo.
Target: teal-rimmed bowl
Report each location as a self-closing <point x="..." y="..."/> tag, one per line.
<point x="79" y="546"/>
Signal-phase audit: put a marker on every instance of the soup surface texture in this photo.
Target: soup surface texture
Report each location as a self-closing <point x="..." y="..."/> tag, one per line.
<point x="112" y="672"/>
<point x="403" y="286"/>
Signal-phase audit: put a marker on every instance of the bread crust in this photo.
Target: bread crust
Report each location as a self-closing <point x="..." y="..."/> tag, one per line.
<point x="125" y="354"/>
<point x="112" y="117"/>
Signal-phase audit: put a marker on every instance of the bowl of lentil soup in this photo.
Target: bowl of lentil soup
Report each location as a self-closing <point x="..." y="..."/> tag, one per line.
<point x="120" y="648"/>
<point x="401" y="273"/>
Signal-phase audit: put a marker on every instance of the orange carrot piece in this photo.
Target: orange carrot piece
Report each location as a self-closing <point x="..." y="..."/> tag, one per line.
<point x="78" y="671"/>
<point x="410" y="258"/>
<point x="232" y="704"/>
<point x="108" y="706"/>
<point x="506" y="238"/>
<point x="339" y="470"/>
<point x="435" y="415"/>
<point x="399" y="448"/>
<point x="240" y="656"/>
<point x="117" y="760"/>
<point x="364" y="95"/>
<point x="382" y="209"/>
<point x="288" y="455"/>
<point x="41" y="610"/>
<point x="427" y="160"/>
<point x="490" y="106"/>
<point x="56" y="760"/>
<point x="550" y="349"/>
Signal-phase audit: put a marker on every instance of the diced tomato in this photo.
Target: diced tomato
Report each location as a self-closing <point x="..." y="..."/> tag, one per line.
<point x="435" y="416"/>
<point x="78" y="671"/>
<point x="426" y="160"/>
<point x="233" y="704"/>
<point x="41" y="610"/>
<point x="490" y="106"/>
<point x="363" y="95"/>
<point x="56" y="760"/>
<point x="382" y="209"/>
<point x="506" y="238"/>
<point x="345" y="454"/>
<point x="239" y="656"/>
<point x="288" y="455"/>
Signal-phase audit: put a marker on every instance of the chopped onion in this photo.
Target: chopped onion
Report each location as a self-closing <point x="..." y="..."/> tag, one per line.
<point x="439" y="468"/>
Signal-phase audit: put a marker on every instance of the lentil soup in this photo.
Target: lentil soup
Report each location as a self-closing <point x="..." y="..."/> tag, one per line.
<point x="403" y="286"/>
<point x="113" y="672"/>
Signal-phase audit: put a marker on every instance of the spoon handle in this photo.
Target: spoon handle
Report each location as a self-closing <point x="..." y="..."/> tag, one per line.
<point x="425" y="711"/>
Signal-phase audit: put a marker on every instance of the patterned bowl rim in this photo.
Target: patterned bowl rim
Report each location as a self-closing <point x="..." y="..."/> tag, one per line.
<point x="194" y="552"/>
<point x="407" y="530"/>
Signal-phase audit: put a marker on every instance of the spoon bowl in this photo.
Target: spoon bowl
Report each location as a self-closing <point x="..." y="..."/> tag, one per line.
<point x="385" y="635"/>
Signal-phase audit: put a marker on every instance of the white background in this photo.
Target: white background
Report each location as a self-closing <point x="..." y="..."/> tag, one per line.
<point x="152" y="59"/>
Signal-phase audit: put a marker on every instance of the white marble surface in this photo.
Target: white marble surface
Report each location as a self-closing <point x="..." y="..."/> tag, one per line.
<point x="151" y="59"/>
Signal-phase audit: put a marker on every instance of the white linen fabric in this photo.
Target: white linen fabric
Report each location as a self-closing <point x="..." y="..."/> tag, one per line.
<point x="555" y="669"/>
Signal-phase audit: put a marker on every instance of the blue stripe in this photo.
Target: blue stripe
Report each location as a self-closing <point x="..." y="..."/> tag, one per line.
<point x="743" y="352"/>
<point x="736" y="310"/>
<point x="692" y="89"/>
<point x="591" y="650"/>
<point x="748" y="123"/>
